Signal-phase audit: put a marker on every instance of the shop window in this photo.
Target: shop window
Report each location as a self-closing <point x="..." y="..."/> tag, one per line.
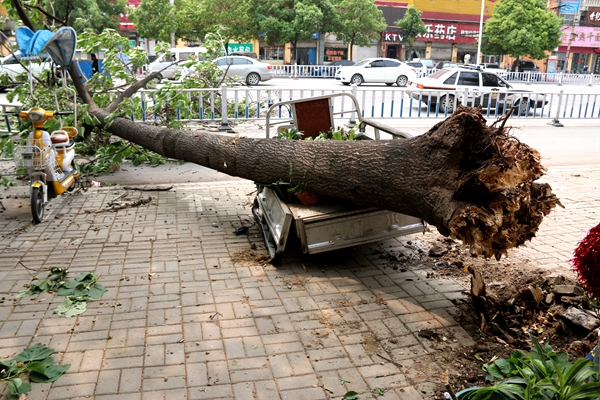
<point x="271" y="53"/>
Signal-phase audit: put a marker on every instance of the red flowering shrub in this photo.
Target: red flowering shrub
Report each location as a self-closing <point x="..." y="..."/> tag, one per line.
<point x="586" y="262"/>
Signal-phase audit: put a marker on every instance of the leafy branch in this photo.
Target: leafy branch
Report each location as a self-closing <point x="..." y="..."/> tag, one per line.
<point x="78" y="292"/>
<point x="37" y="363"/>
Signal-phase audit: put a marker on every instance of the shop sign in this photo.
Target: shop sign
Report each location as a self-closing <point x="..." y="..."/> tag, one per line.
<point x="335" y="54"/>
<point x="439" y="32"/>
<point x="569" y="6"/>
<point x="580" y="36"/>
<point x="239" y="47"/>
<point x="593" y="16"/>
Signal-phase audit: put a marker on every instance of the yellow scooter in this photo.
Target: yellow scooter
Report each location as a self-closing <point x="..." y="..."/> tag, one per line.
<point x="48" y="158"/>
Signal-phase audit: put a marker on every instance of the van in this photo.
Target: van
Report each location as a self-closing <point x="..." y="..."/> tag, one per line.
<point x="165" y="63"/>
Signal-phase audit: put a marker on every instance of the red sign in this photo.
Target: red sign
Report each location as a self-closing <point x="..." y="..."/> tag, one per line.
<point x="593" y="16"/>
<point x="448" y="32"/>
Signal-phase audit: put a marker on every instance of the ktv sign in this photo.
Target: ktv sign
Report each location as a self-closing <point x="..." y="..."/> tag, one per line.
<point x="439" y="32"/>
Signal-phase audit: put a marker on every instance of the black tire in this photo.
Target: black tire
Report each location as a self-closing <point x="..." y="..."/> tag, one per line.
<point x="402" y="80"/>
<point x="357" y="80"/>
<point x="389" y="84"/>
<point x="345" y="83"/>
<point x="447" y="101"/>
<point x="37" y="204"/>
<point x="252" y="79"/>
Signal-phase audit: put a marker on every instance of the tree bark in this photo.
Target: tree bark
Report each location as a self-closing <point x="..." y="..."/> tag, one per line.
<point x="473" y="182"/>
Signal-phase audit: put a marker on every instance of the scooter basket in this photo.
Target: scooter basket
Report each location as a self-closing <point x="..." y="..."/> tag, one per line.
<point x="34" y="155"/>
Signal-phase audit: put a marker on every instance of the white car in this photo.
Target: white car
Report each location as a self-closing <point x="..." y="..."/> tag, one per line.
<point x="420" y="67"/>
<point x="495" y="68"/>
<point x="473" y="87"/>
<point x="377" y="70"/>
<point x="11" y="66"/>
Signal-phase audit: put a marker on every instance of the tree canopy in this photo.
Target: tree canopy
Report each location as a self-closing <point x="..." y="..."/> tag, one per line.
<point x="360" y="22"/>
<point x="521" y="28"/>
<point x="289" y="21"/>
<point x="80" y="14"/>
<point x="411" y="26"/>
<point x="234" y="19"/>
<point x="153" y="19"/>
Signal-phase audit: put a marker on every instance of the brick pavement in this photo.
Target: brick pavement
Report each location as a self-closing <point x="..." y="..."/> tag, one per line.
<point x="182" y="320"/>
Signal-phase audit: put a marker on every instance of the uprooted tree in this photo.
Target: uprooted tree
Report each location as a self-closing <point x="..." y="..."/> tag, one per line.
<point x="472" y="181"/>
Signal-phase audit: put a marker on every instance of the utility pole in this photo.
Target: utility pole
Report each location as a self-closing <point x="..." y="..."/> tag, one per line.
<point x="172" y="2"/>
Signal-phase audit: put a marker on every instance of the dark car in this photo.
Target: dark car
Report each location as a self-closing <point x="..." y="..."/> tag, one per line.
<point x="524" y="66"/>
<point x="330" y="70"/>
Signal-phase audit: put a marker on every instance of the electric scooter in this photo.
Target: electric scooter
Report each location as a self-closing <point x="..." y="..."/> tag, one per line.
<point x="48" y="158"/>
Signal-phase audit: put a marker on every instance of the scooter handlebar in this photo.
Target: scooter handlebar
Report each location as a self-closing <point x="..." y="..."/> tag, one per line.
<point x="63" y="112"/>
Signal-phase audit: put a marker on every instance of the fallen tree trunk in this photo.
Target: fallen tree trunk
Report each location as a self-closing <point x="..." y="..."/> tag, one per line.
<point x="472" y="181"/>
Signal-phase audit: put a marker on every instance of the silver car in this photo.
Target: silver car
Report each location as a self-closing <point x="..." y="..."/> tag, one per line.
<point x="248" y="69"/>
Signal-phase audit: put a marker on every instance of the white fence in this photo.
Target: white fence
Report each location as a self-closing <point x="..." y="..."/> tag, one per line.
<point x="387" y="103"/>
<point x="327" y="71"/>
<point x="243" y="103"/>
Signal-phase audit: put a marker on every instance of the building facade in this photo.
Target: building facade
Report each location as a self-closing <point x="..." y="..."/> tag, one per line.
<point x="452" y="29"/>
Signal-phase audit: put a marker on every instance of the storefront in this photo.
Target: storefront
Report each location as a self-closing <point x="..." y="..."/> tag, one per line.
<point x="443" y="41"/>
<point x="452" y="31"/>
<point x="578" y="52"/>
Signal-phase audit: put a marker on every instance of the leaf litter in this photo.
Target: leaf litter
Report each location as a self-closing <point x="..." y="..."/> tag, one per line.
<point x="78" y="292"/>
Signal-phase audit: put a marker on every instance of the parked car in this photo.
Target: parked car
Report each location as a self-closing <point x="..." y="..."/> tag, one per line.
<point x="250" y="54"/>
<point x="445" y="86"/>
<point x="377" y="70"/>
<point x="167" y="64"/>
<point x="10" y="65"/>
<point x="331" y="69"/>
<point x="446" y="64"/>
<point x="524" y="66"/>
<point x="420" y="67"/>
<point x="429" y="63"/>
<point x="495" y="69"/>
<point x="248" y="69"/>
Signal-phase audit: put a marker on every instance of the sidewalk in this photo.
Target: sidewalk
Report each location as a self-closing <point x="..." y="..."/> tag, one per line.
<point x="193" y="311"/>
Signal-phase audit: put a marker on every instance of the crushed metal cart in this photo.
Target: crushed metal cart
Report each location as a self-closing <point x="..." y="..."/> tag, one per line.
<point x="325" y="227"/>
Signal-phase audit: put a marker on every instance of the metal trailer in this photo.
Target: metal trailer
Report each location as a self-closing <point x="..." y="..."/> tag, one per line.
<point x="325" y="227"/>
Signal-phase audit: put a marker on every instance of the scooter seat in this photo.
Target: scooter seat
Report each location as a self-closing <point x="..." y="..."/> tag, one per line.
<point x="59" y="137"/>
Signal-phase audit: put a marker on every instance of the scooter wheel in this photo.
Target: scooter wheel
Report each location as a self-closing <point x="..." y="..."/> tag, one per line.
<point x="37" y="204"/>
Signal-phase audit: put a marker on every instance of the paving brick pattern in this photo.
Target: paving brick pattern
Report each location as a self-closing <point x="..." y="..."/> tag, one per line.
<point x="181" y="320"/>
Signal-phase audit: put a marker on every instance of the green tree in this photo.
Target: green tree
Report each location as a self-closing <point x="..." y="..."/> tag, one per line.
<point x="234" y="19"/>
<point x="154" y="19"/>
<point x="82" y="14"/>
<point x="289" y="21"/>
<point x="411" y="26"/>
<point x="521" y="27"/>
<point x="79" y="14"/>
<point x="360" y="23"/>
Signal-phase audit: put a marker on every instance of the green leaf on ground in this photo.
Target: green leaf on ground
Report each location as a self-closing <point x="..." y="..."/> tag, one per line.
<point x="69" y="308"/>
<point x="351" y="395"/>
<point x="17" y="387"/>
<point x="36" y="352"/>
<point x="52" y="373"/>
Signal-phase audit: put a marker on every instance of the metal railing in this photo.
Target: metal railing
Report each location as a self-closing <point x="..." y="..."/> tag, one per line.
<point x="328" y="71"/>
<point x="249" y="104"/>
